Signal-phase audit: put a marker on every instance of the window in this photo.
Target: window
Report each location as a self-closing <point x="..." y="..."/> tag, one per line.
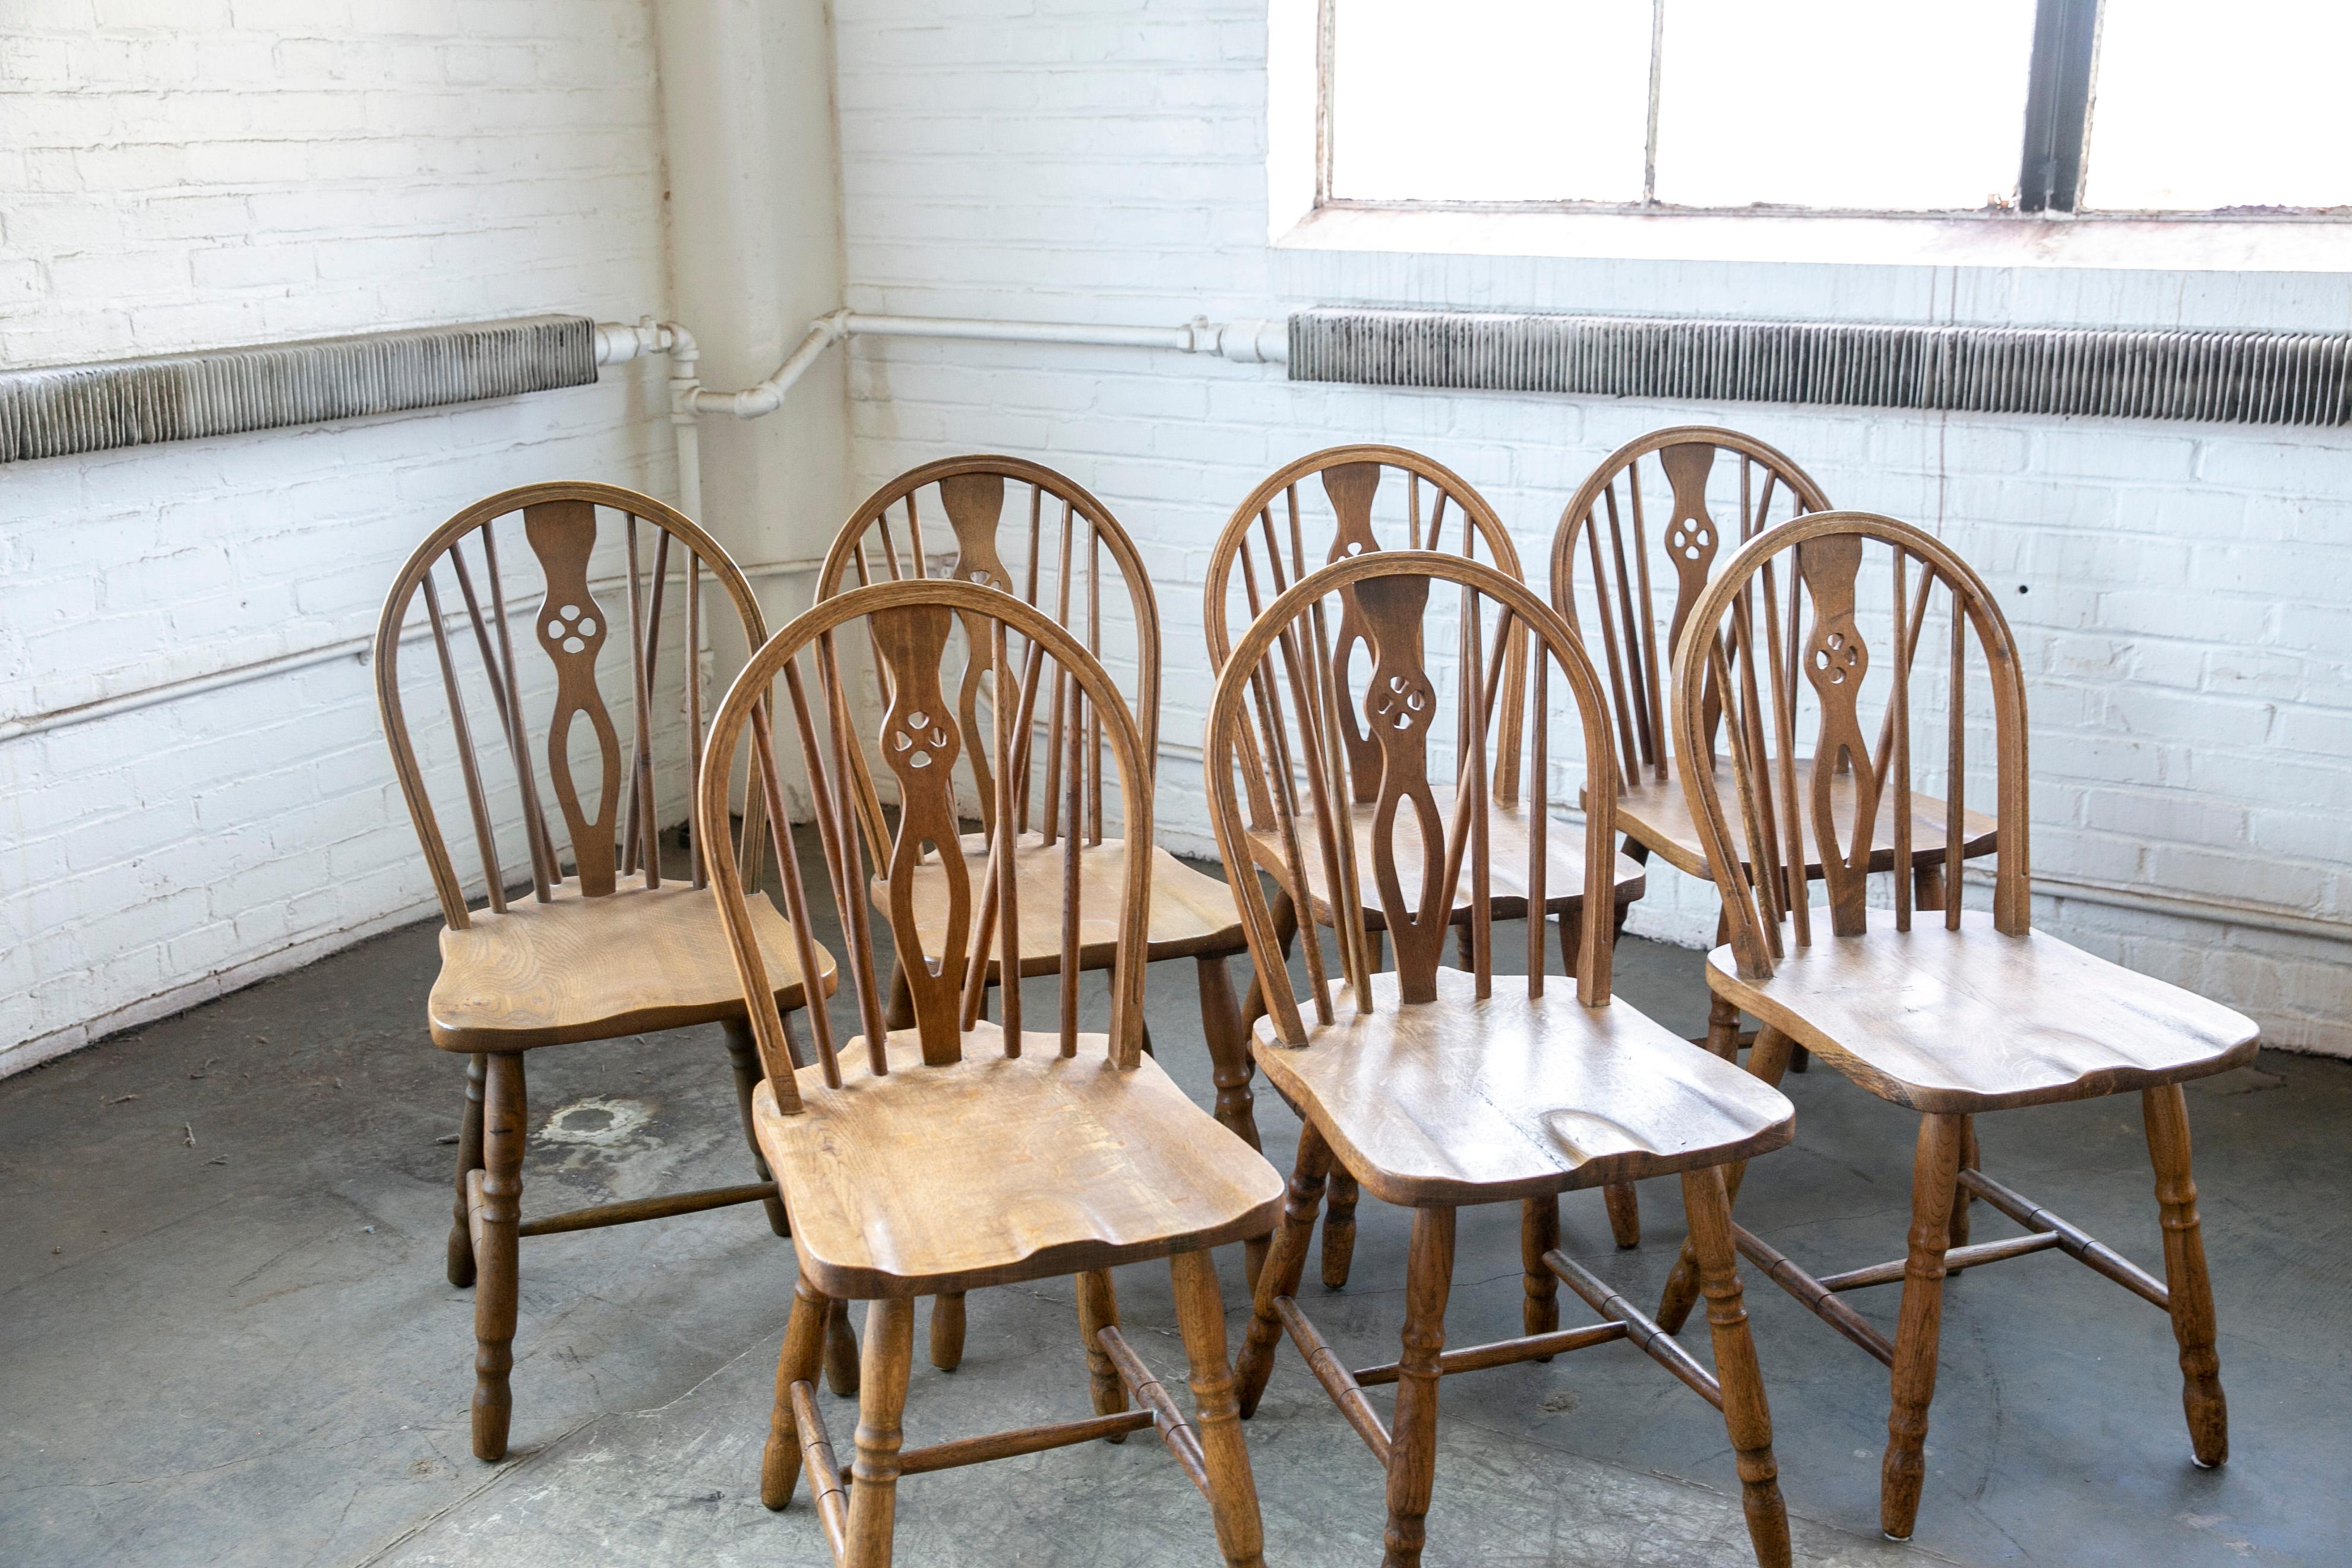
<point x="1871" y="106"/>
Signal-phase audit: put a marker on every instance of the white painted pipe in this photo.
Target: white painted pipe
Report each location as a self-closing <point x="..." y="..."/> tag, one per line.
<point x="1244" y="343"/>
<point x="768" y="395"/>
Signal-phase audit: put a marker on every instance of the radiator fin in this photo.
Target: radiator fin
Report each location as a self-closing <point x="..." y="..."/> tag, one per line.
<point x="2270" y="378"/>
<point x="55" y="411"/>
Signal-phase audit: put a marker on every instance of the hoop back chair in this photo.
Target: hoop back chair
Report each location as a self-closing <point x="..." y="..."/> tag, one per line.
<point x="1627" y="546"/>
<point x="1437" y="1087"/>
<point x="1048" y="548"/>
<point x="955" y="1153"/>
<point x="1275" y="538"/>
<point x="614" y="947"/>
<point x="1963" y="1012"/>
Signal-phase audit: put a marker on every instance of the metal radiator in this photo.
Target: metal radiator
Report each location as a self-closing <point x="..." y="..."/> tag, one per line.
<point x="2271" y="378"/>
<point x="63" y="409"/>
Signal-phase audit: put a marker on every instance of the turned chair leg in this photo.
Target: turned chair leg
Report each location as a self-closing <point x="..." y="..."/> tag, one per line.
<point x="1285" y="1265"/>
<point x="1624" y="1207"/>
<point x="901" y="1014"/>
<point x="743" y="1053"/>
<point x="1229" y="1051"/>
<point x="1961" y="1196"/>
<point x="1339" y="1229"/>
<point x="1539" y="1234"/>
<point x="469" y="1159"/>
<point x="947" y="1331"/>
<point x="1768" y="1060"/>
<point x="1412" y="1444"/>
<point x="803" y="1352"/>
<point x="1722" y="1017"/>
<point x="881" y="1404"/>
<point x="1722" y="1028"/>
<point x="1746" y="1416"/>
<point x="840" y="1352"/>
<point x="1640" y="856"/>
<point x="2167" y="1113"/>
<point x="1097" y="1310"/>
<point x="1232" y="1491"/>
<point x="1254" y="1250"/>
<point x="1934" y="1171"/>
<point x="498" y="1211"/>
<point x="1625" y="1213"/>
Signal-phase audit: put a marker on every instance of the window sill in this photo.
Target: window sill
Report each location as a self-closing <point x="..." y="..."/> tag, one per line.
<point x="2144" y="245"/>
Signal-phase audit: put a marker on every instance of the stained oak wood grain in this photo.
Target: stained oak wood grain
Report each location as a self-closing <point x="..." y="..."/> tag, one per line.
<point x="1436" y="1087"/>
<point x="1972" y="1020"/>
<point x="1466" y="1100"/>
<point x="998" y="1169"/>
<point x="1023" y="529"/>
<point x="1346" y="687"/>
<point x="577" y="968"/>
<point x="1970" y="1013"/>
<point x="954" y="1153"/>
<point x="584" y="958"/>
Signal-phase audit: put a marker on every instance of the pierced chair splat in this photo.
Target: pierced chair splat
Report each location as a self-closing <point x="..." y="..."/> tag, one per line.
<point x="1021" y="527"/>
<point x="1340" y="504"/>
<point x="1663" y="501"/>
<point x="1436" y="1087"/>
<point x="950" y="1153"/>
<point x="1951" y="1012"/>
<point x="618" y="947"/>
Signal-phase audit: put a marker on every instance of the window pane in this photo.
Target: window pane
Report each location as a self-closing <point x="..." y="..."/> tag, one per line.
<point x="2198" y="106"/>
<point x="1490" y="99"/>
<point x="1844" y="103"/>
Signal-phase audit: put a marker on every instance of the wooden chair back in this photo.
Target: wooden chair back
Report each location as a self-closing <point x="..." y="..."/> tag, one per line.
<point x="1368" y="494"/>
<point x="1834" y="563"/>
<point x="925" y="632"/>
<point x="1609" y="527"/>
<point x="1275" y="698"/>
<point x="570" y="620"/>
<point x="1047" y="548"/>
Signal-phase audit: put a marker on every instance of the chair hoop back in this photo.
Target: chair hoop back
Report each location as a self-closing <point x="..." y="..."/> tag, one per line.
<point x="913" y="626"/>
<point x="1734" y="627"/>
<point x="1276" y="679"/>
<point x="571" y="626"/>
<point x="1056" y="569"/>
<point x="1608" y="519"/>
<point x="1250" y="558"/>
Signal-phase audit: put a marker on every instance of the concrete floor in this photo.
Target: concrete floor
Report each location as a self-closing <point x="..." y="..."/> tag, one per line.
<point x="225" y="1336"/>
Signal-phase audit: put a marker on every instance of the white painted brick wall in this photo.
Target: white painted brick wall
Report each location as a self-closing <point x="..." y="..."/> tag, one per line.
<point x="190" y="173"/>
<point x="2189" y="622"/>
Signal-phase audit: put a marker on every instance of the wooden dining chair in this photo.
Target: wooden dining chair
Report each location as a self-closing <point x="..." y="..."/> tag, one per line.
<point x="955" y="1153"/>
<point x="1434" y="1087"/>
<point x="1610" y="560"/>
<point x="1048" y="548"/>
<point x="1951" y="1017"/>
<point x="613" y="946"/>
<point x="1275" y="538"/>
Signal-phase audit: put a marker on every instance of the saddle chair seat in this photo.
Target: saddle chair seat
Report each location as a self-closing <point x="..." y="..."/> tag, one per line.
<point x="1192" y="915"/>
<point x="1463" y="1100"/>
<point x="575" y="968"/>
<point x="1970" y="1020"/>
<point x="996" y="1169"/>
<point x="1655" y="812"/>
